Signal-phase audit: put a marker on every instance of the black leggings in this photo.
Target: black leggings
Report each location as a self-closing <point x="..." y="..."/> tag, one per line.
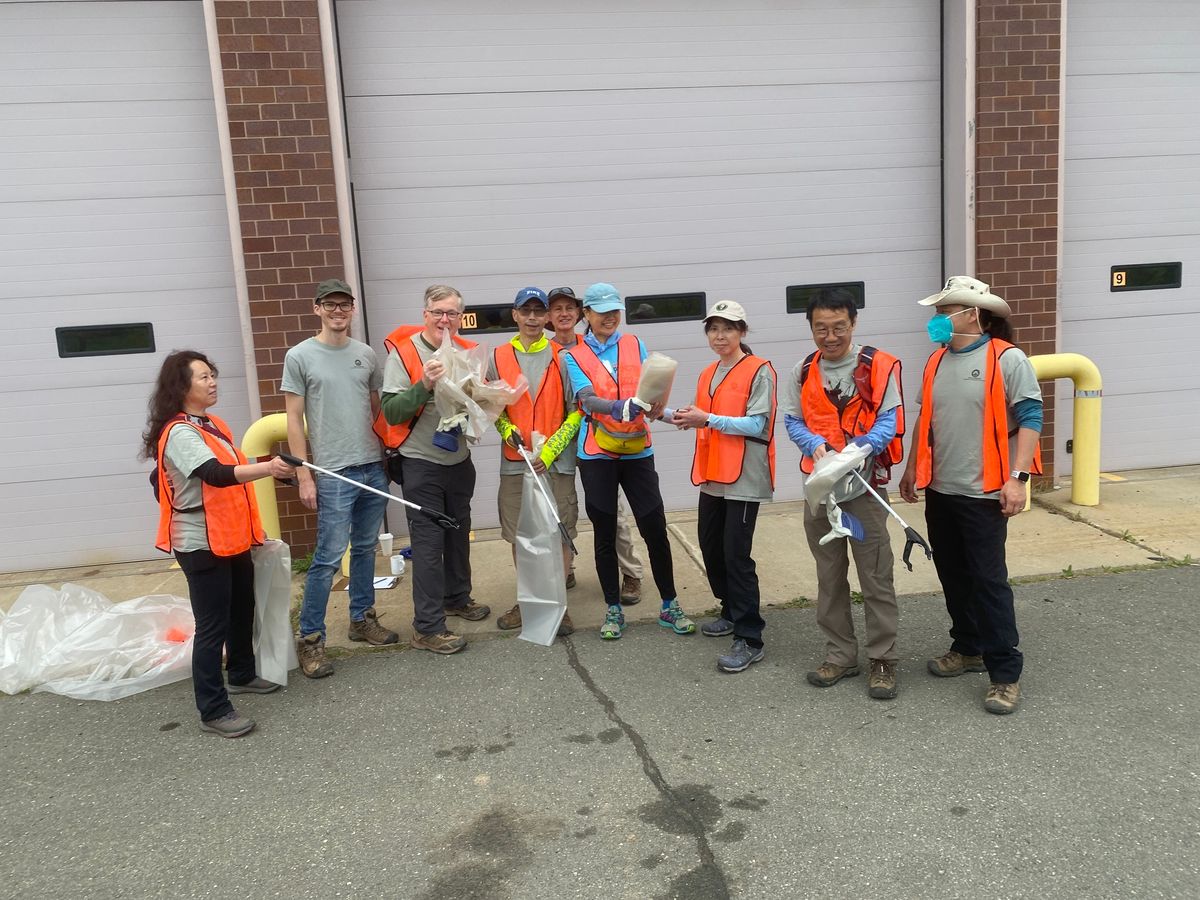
<point x="601" y="478"/>
<point x="222" y="594"/>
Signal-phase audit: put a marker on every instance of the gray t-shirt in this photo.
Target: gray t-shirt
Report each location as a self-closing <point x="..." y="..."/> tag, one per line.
<point x="185" y="452"/>
<point x="420" y="440"/>
<point x="754" y="485"/>
<point x="837" y="376"/>
<point x="534" y="367"/>
<point x="336" y="384"/>
<point x="957" y="427"/>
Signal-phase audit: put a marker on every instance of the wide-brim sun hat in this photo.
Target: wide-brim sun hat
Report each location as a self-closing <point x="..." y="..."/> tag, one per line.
<point x="602" y="298"/>
<point x="729" y="310"/>
<point x="963" y="290"/>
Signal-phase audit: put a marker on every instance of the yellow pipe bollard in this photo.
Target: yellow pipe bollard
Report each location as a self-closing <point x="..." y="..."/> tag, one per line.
<point x="258" y="441"/>
<point x="1085" y="455"/>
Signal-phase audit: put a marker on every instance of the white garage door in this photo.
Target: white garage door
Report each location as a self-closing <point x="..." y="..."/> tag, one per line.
<point x="112" y="211"/>
<point x="733" y="149"/>
<point x="1133" y="197"/>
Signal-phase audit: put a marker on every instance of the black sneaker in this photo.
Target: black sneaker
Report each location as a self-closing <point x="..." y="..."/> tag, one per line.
<point x="717" y="628"/>
<point x="230" y="725"/>
<point x="740" y="657"/>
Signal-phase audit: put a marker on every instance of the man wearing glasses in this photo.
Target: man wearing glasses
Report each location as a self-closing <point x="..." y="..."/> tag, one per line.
<point x="437" y="473"/>
<point x="842" y="394"/>
<point x="331" y="381"/>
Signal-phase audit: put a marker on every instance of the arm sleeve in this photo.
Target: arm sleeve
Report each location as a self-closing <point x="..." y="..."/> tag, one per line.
<point x="216" y="473"/>
<point x="1029" y="414"/>
<point x="746" y="426"/>
<point x="561" y="439"/>
<point x="800" y="435"/>
<point x="401" y="399"/>
<point x="591" y="403"/>
<point x="882" y="431"/>
<point x="504" y="425"/>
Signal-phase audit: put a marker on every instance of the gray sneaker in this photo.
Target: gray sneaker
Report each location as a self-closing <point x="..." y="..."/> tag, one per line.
<point x="230" y="725"/>
<point x="257" y="686"/>
<point x="717" y="628"/>
<point x="740" y="657"/>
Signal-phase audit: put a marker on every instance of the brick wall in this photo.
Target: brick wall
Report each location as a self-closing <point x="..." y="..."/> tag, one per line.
<point x="283" y="165"/>
<point x="1018" y="54"/>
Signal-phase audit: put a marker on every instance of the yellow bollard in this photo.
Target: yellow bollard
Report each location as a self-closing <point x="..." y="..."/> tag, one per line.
<point x="258" y="441"/>
<point x="1085" y="456"/>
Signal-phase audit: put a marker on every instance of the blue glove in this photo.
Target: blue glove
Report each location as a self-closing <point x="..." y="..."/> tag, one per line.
<point x="625" y="410"/>
<point x="447" y="440"/>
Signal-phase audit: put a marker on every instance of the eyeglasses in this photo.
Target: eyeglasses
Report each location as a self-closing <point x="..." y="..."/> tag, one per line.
<point x="452" y="314"/>
<point x="530" y="310"/>
<point x="836" y="331"/>
<point x="331" y="305"/>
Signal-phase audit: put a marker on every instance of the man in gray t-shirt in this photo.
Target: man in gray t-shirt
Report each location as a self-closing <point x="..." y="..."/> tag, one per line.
<point x="331" y="383"/>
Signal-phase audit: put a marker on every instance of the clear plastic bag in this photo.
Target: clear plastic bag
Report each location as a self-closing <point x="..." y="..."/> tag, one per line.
<point x="77" y="643"/>
<point x="658" y="375"/>
<point x="274" y="646"/>
<point x="464" y="397"/>
<point x="541" y="581"/>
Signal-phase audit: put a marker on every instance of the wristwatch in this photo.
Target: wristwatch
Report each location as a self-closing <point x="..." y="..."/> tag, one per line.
<point x="1022" y="477"/>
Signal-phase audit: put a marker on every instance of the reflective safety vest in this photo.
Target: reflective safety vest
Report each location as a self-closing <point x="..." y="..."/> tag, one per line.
<point x="607" y="386"/>
<point x="719" y="456"/>
<point x="871" y="374"/>
<point x="995" y="422"/>
<point x="230" y="513"/>
<point x="401" y="341"/>
<point x="543" y="414"/>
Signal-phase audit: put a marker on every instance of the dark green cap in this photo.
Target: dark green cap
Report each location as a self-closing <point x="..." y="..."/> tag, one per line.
<point x="333" y="286"/>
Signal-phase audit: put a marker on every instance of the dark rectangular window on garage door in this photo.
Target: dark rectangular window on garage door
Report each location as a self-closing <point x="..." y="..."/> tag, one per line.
<point x="688" y="307"/>
<point x="105" y="340"/>
<point x="493" y="318"/>
<point x="1146" y="277"/>
<point x="799" y="296"/>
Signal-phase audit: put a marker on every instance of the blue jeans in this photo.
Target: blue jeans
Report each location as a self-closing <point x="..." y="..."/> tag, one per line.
<point x="345" y="516"/>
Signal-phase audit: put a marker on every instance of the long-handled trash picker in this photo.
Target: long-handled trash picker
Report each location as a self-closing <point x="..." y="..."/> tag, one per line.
<point x="443" y="520"/>
<point x="910" y="533"/>
<point x="562" y="529"/>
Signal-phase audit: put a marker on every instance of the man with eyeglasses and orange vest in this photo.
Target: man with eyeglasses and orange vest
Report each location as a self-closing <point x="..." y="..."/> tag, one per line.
<point x="975" y="446"/>
<point x="435" y="470"/>
<point x="845" y="393"/>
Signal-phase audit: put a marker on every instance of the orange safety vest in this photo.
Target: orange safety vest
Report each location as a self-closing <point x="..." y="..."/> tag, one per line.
<point x="871" y="375"/>
<point x="230" y="513"/>
<point x="995" y="421"/>
<point x="719" y="456"/>
<point x="543" y="414"/>
<point x="401" y="341"/>
<point x="623" y="386"/>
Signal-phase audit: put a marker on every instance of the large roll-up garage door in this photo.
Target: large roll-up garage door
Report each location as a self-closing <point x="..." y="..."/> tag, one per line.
<point x="726" y="148"/>
<point x="112" y="212"/>
<point x="1132" y="183"/>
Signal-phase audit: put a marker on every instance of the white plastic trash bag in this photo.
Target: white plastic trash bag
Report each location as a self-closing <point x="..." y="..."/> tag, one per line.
<point x="541" y="581"/>
<point x="830" y="470"/>
<point x="274" y="646"/>
<point x="464" y="397"/>
<point x="658" y="375"/>
<point x="77" y="643"/>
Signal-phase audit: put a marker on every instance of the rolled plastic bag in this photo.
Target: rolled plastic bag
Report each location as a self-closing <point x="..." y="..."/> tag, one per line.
<point x="77" y="643"/>
<point x="541" y="582"/>
<point x="658" y="375"/>
<point x="463" y="397"/>
<point x="274" y="647"/>
<point x="830" y="470"/>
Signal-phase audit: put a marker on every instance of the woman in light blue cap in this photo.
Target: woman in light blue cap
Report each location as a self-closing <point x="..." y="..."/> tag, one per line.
<point x="615" y="452"/>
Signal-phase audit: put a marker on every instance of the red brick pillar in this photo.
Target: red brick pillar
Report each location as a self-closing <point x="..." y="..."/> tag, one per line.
<point x="1018" y="58"/>
<point x="283" y="165"/>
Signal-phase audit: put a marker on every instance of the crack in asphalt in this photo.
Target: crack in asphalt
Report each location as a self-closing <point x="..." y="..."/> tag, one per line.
<point x="719" y="888"/>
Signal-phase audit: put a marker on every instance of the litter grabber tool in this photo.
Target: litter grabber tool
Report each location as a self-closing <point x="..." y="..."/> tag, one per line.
<point x="443" y="520"/>
<point x="541" y="485"/>
<point x="910" y="534"/>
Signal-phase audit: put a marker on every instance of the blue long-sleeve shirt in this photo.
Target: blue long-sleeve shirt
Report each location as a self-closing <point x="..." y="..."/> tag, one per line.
<point x="581" y="384"/>
<point x="879" y="436"/>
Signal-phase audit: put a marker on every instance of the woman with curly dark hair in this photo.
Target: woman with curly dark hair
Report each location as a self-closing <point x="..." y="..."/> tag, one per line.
<point x="209" y="519"/>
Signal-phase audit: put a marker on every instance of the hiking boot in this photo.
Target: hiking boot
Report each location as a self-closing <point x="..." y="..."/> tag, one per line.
<point x="828" y="674"/>
<point x="614" y="624"/>
<point x="717" y="628"/>
<point x="570" y="580"/>
<point x="631" y="590"/>
<point x="951" y="664"/>
<point x="740" y="657"/>
<point x="257" y="686"/>
<point x="566" y="626"/>
<point x="673" y="617"/>
<point x="371" y="631"/>
<point x="311" y="650"/>
<point x="446" y="642"/>
<point x="882" y="683"/>
<point x="1002" y="699"/>
<point x="511" y="619"/>
<point x="230" y="725"/>
<point x="471" y="611"/>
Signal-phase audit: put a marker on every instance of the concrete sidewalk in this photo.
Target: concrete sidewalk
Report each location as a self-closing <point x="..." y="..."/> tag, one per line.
<point x="1144" y="518"/>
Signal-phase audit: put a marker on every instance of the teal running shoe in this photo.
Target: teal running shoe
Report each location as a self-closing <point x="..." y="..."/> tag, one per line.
<point x="614" y="624"/>
<point x="672" y="617"/>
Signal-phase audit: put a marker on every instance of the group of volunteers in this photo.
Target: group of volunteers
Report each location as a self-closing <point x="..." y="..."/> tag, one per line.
<point x="978" y="421"/>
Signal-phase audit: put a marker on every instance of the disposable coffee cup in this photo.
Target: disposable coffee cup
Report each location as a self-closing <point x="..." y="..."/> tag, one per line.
<point x="397" y="564"/>
<point x="385" y="544"/>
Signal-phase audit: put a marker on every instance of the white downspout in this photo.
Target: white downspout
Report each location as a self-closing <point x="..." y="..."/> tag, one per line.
<point x="240" y="286"/>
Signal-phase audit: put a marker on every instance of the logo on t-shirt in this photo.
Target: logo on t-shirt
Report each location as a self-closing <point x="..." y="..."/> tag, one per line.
<point x="358" y="363"/>
<point x="974" y="373"/>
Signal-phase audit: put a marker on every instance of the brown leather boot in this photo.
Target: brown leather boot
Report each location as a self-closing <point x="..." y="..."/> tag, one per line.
<point x="311" y="650"/>
<point x="371" y="631"/>
<point x="631" y="590"/>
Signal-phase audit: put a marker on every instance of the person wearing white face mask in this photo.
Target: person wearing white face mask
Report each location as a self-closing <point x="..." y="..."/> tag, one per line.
<point x="974" y="447"/>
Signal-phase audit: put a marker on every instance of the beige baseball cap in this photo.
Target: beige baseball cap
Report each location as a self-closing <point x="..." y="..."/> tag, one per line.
<point x="968" y="291"/>
<point x="729" y="310"/>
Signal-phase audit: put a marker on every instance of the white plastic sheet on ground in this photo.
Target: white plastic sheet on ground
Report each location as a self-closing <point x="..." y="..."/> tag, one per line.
<point x="541" y="581"/>
<point x="274" y="646"/>
<point x="464" y="397"/>
<point x="77" y="643"/>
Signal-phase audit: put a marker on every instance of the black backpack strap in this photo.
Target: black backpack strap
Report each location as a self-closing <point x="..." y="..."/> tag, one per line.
<point x="808" y="361"/>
